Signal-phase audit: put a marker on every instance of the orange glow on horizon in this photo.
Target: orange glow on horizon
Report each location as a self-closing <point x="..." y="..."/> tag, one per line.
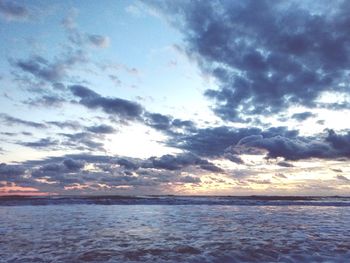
<point x="18" y="190"/>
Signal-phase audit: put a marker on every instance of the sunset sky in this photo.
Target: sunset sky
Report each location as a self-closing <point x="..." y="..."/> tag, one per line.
<point x="175" y="97"/>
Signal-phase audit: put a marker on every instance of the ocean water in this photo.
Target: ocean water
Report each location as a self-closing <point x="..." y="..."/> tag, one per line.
<point x="175" y="229"/>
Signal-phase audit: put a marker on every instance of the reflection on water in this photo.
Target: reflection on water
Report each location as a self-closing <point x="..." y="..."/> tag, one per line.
<point x="160" y="233"/>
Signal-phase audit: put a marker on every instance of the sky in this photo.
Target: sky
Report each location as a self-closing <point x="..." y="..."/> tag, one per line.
<point x="174" y="97"/>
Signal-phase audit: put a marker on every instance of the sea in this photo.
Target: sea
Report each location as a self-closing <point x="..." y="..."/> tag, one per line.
<point x="174" y="229"/>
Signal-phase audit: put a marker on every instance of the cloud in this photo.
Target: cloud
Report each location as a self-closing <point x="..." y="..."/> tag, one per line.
<point x="339" y="142"/>
<point x="11" y="10"/>
<point x="43" y="69"/>
<point x="8" y="171"/>
<point x="256" y="181"/>
<point x="85" y="157"/>
<point x="41" y="143"/>
<point x="74" y="125"/>
<point x="230" y="143"/>
<point x="285" y="164"/>
<point x="79" y="38"/>
<point x="158" y="121"/>
<point x="266" y="56"/>
<point x="216" y="141"/>
<point x="124" y="109"/>
<point x="46" y="101"/>
<point x="343" y="178"/>
<point x="290" y="149"/>
<point x="127" y="110"/>
<point x="98" y="41"/>
<point x="13" y="134"/>
<point x="280" y="175"/>
<point x="210" y="141"/>
<point x="167" y="124"/>
<point x="337" y="170"/>
<point x="115" y="79"/>
<point x="178" y="162"/>
<point x="58" y="175"/>
<point x="73" y="165"/>
<point x="83" y="141"/>
<point x="39" y="67"/>
<point x="325" y="147"/>
<point x="127" y="164"/>
<point x="54" y="174"/>
<point x="190" y="179"/>
<point x="303" y="116"/>
<point x="68" y="22"/>
<point x="103" y="128"/>
<point x="12" y="121"/>
<point x="53" y="169"/>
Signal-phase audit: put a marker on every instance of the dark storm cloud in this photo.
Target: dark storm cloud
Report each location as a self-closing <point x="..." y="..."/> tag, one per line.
<point x="16" y="121"/>
<point x="53" y="174"/>
<point x="124" y="109"/>
<point x="129" y="110"/>
<point x="73" y="165"/>
<point x="158" y="121"/>
<point x="128" y="164"/>
<point x="178" y="162"/>
<point x="167" y="124"/>
<point x="54" y="169"/>
<point x="266" y="55"/>
<point x="10" y="170"/>
<point x="165" y="162"/>
<point x="291" y="149"/>
<point x="303" y="116"/>
<point x="339" y="142"/>
<point x="103" y="128"/>
<point x="210" y="141"/>
<point x="58" y="175"/>
<point x="233" y="158"/>
<point x="12" y="173"/>
<point x="227" y="142"/>
<point x="326" y="147"/>
<point x="13" y="11"/>
<point x="215" y="141"/>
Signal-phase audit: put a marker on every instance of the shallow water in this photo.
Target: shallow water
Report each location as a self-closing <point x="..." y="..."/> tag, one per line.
<point x="174" y="233"/>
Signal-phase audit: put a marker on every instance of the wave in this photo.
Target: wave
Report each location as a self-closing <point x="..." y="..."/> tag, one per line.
<point x="177" y="200"/>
